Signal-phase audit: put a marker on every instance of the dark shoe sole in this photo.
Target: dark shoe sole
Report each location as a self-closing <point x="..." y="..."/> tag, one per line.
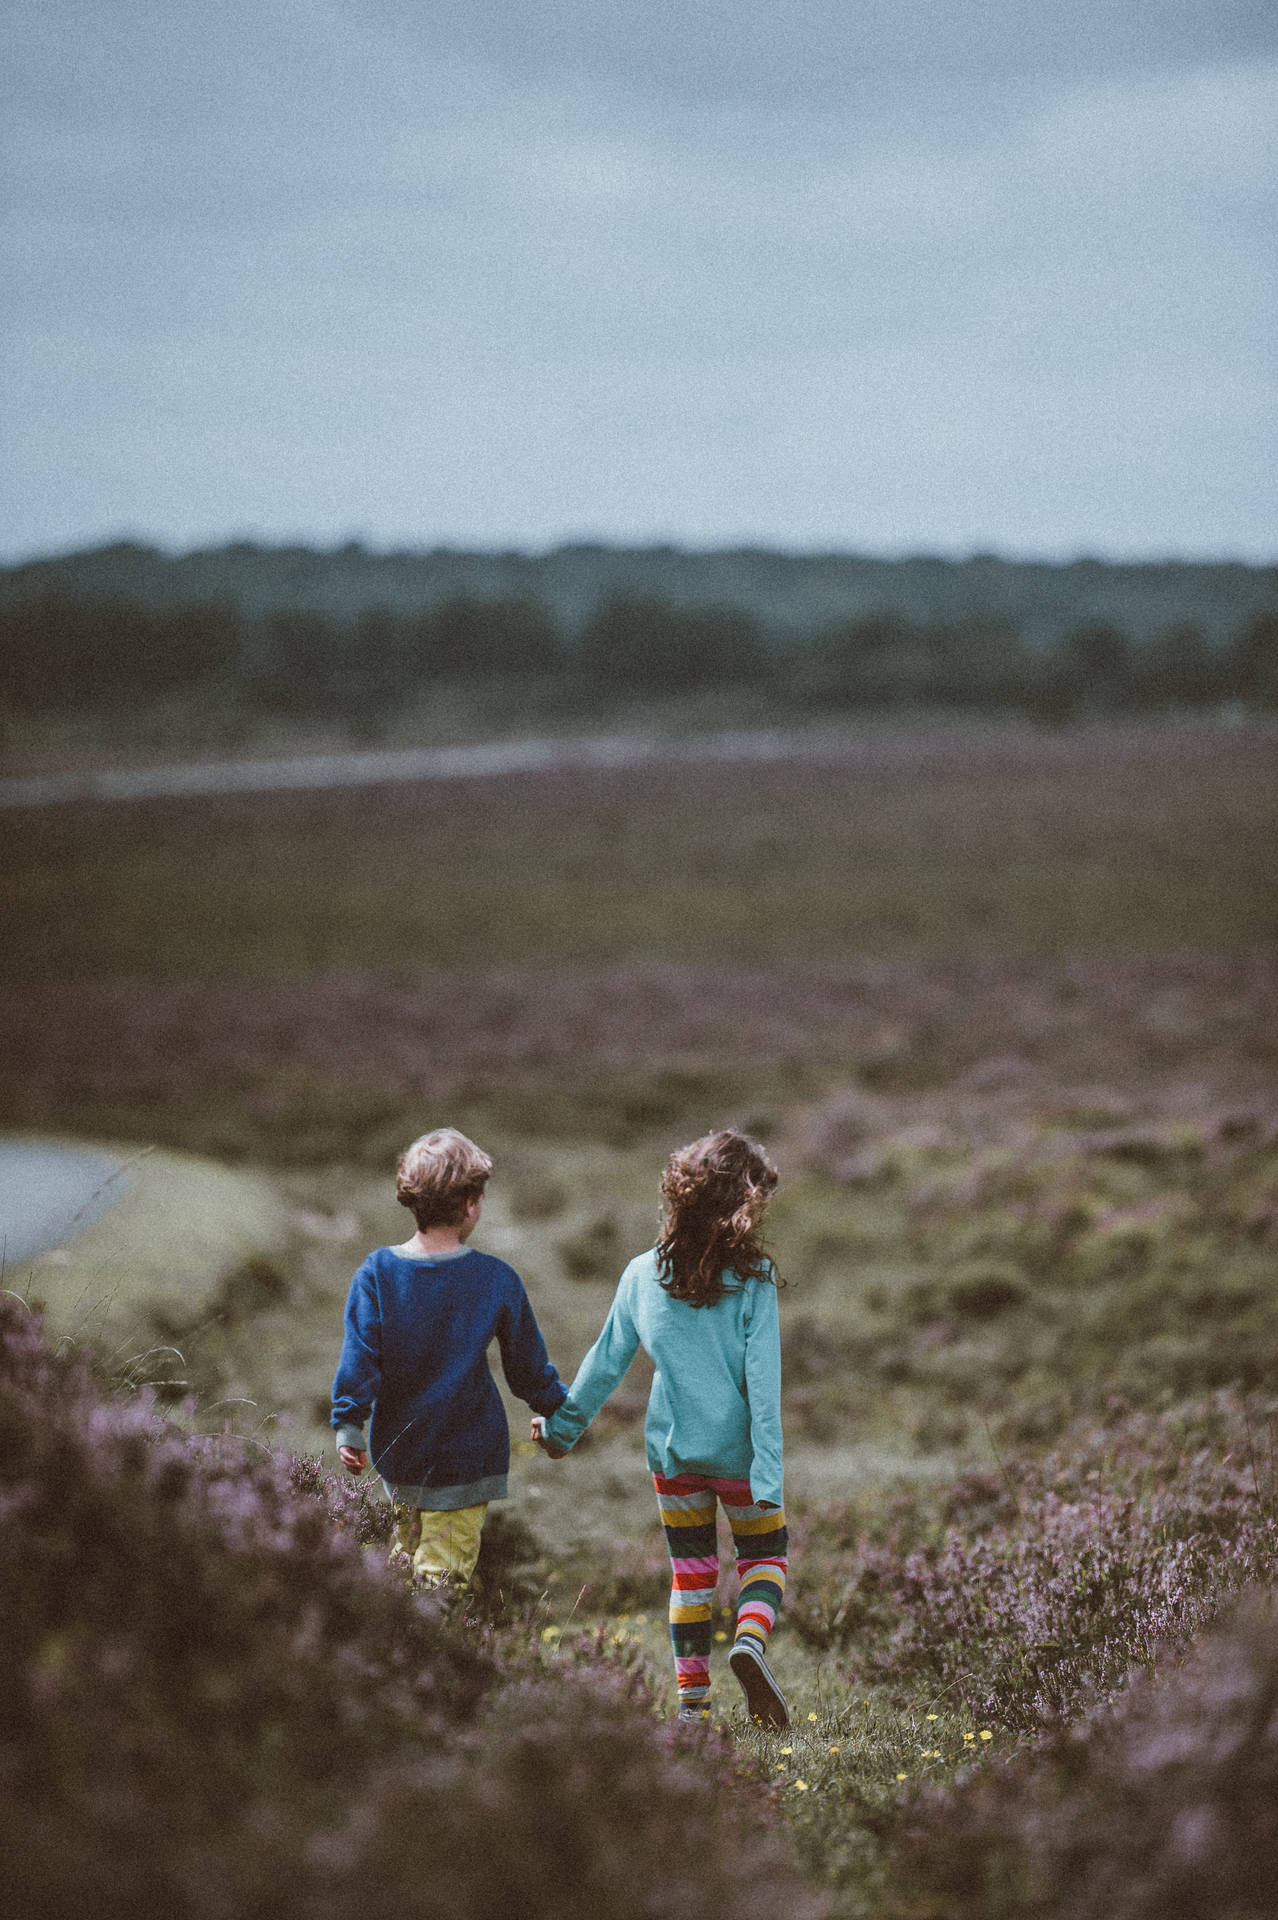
<point x="764" y="1699"/>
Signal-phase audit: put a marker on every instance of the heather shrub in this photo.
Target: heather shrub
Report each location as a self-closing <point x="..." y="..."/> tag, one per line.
<point x="357" y="1505"/>
<point x="571" y="1800"/>
<point x="198" y="1661"/>
<point x="1163" y="1807"/>
<point x="1027" y="1593"/>
<point x="983" y="1288"/>
<point x="218" y="1701"/>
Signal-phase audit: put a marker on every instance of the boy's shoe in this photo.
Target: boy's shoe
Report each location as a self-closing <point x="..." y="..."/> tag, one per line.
<point x="764" y="1699"/>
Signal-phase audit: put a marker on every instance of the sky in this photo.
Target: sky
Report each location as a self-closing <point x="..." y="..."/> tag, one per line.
<point x="897" y="276"/>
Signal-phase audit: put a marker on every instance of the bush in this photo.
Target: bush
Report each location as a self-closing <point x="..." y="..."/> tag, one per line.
<point x="570" y="1802"/>
<point x="198" y="1660"/>
<point x="1165" y="1808"/>
<point x="1028" y="1594"/>
<point x="984" y="1289"/>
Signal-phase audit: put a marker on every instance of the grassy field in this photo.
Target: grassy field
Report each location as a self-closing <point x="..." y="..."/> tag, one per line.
<point x="902" y="844"/>
<point x="1004" y="1007"/>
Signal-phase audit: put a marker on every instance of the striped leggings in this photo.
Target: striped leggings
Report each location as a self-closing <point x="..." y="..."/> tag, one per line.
<point x="759" y="1535"/>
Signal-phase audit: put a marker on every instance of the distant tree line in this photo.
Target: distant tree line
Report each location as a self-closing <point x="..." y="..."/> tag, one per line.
<point x="64" y="652"/>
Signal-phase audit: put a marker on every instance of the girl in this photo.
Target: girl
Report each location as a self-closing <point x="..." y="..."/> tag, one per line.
<point x="703" y="1305"/>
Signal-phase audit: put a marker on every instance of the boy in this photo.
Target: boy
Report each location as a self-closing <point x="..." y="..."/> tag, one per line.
<point x="419" y="1319"/>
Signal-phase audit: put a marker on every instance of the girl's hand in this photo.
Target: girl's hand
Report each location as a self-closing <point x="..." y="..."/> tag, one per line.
<point x="354" y="1459"/>
<point x="538" y="1433"/>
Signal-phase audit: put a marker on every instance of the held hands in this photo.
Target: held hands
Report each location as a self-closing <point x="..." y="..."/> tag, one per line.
<point x="354" y="1459"/>
<point x="538" y="1431"/>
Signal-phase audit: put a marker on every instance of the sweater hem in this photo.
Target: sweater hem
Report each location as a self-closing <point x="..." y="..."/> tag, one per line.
<point x="474" y="1493"/>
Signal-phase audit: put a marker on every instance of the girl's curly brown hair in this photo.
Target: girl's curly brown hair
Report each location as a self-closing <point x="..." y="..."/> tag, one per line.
<point x="716" y="1192"/>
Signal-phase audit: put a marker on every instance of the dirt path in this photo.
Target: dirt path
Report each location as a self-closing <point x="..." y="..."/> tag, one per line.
<point x="869" y="743"/>
<point x="322" y="770"/>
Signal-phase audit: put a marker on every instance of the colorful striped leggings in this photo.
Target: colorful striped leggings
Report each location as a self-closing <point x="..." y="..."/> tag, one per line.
<point x="759" y="1535"/>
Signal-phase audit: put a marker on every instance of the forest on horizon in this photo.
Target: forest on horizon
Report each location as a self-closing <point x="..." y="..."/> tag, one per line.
<point x="352" y="631"/>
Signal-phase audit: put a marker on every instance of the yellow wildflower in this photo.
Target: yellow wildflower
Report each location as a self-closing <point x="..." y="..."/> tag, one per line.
<point x="986" y="1734"/>
<point x="800" y="1786"/>
<point x="811" y="1716"/>
<point x="902" y="1776"/>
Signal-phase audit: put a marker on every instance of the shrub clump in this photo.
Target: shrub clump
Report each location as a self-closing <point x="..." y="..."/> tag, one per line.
<point x="571" y="1800"/>
<point x="199" y="1660"/>
<point x="1028" y="1594"/>
<point x="1164" y="1807"/>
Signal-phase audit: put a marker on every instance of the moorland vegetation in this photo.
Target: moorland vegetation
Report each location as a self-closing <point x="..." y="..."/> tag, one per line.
<point x="1004" y="1008"/>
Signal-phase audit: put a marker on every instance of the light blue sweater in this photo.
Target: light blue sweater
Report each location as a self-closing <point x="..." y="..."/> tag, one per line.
<point x="715" y="1404"/>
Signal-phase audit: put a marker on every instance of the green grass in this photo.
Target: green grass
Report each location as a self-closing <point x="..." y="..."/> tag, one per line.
<point x="851" y="1763"/>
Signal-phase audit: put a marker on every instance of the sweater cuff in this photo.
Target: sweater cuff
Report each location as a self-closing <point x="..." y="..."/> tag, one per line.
<point x="352" y="1437"/>
<point x="766" y="1487"/>
<point x="547" y="1398"/>
<point x="566" y="1426"/>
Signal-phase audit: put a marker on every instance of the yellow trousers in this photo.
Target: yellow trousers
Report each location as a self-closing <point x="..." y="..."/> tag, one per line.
<point x="438" y="1547"/>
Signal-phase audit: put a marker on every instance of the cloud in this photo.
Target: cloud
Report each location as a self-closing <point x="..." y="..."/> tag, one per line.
<point x="270" y="102"/>
<point x="515" y="271"/>
<point x="885" y="59"/>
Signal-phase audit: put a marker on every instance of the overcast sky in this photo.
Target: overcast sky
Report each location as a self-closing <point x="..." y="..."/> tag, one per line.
<point x="912" y="274"/>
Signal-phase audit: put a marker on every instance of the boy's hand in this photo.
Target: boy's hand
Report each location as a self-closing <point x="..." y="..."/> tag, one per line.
<point x="538" y="1430"/>
<point x="354" y="1459"/>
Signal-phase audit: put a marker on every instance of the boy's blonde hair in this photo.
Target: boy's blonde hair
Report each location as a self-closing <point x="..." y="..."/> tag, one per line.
<point x="439" y="1175"/>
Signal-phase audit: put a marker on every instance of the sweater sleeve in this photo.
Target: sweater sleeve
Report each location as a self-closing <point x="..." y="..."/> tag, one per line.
<point x="524" y="1359"/>
<point x="600" y="1373"/>
<point x="359" y="1370"/>
<point x="763" y="1393"/>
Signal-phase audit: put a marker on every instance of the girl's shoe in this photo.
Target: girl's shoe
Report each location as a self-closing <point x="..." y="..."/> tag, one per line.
<point x="764" y="1699"/>
<point x="693" y="1712"/>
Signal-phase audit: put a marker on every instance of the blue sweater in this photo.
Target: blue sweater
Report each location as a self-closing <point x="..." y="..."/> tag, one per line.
<point x="415" y="1357"/>
<point x="715" y="1404"/>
